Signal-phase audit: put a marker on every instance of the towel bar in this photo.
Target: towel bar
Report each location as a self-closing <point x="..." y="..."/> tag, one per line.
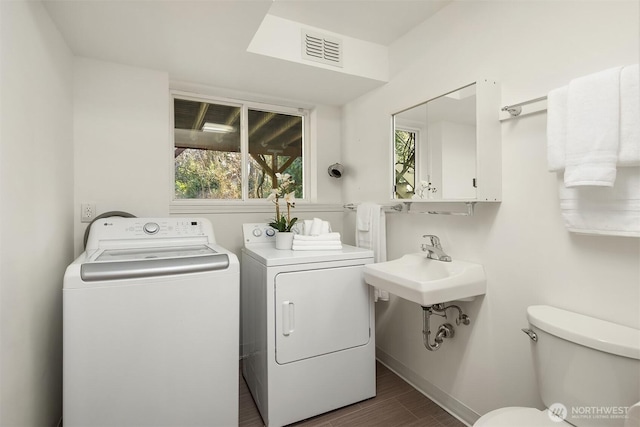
<point x="388" y="208"/>
<point x="515" y="110"/>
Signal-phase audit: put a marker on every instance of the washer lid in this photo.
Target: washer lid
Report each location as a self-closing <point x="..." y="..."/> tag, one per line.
<point x="267" y="254"/>
<point x="152" y="253"/>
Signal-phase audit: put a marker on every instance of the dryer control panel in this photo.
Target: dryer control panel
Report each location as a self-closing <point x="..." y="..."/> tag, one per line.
<point x="261" y="233"/>
<point x="258" y="233"/>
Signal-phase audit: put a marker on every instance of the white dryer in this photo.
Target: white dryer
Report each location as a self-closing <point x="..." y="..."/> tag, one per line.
<point x="308" y="328"/>
<point x="150" y="326"/>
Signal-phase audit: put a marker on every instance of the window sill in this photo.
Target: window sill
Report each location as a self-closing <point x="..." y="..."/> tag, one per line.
<point x="204" y="207"/>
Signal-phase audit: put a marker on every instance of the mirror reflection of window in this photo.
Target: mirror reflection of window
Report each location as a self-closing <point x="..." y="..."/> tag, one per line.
<point x="435" y="148"/>
<point x="405" y="162"/>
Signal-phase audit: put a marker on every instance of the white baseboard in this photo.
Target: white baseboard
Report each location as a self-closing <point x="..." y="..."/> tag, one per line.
<point x="450" y="404"/>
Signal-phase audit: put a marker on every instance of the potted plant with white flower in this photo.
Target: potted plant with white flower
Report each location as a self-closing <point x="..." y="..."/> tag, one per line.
<point x="283" y="223"/>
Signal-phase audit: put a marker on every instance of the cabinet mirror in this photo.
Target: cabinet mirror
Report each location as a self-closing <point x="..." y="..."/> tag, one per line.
<point x="448" y="148"/>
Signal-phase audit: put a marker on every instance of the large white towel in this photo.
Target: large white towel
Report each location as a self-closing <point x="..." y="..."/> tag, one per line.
<point x="629" y="151"/>
<point x="604" y="210"/>
<point x="593" y="129"/>
<point x="556" y="128"/>
<point x="610" y="205"/>
<point x="371" y="233"/>
<point x="629" y="145"/>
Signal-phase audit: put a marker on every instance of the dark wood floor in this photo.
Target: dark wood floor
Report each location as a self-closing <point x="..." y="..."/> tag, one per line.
<point x="396" y="404"/>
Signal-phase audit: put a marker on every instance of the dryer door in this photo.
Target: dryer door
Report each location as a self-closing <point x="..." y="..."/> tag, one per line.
<point x="320" y="311"/>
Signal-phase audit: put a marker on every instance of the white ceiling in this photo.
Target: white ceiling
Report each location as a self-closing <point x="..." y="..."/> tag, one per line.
<point x="376" y="21"/>
<point x="205" y="41"/>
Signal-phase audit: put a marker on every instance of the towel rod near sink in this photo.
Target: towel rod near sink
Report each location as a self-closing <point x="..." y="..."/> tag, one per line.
<point x="515" y="110"/>
<point x="387" y="208"/>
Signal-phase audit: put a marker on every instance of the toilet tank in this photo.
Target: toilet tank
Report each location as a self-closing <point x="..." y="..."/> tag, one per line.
<point x="589" y="366"/>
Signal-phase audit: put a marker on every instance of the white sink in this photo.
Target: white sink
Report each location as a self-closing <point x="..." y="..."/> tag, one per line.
<point x="426" y="281"/>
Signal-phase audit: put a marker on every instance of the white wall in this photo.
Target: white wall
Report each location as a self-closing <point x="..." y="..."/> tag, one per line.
<point x="529" y="258"/>
<point x="36" y="198"/>
<point x="124" y="153"/>
<point x="121" y="140"/>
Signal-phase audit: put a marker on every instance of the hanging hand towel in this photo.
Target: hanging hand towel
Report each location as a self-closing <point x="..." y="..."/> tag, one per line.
<point x="371" y="234"/>
<point x="363" y="219"/>
<point x="593" y="129"/>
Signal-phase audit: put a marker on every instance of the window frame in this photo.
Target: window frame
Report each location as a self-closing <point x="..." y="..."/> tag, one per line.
<point x="211" y="205"/>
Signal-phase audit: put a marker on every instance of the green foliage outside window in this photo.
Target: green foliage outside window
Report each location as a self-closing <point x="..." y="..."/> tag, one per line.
<point x="205" y="174"/>
<point x="405" y="163"/>
<point x="207" y="150"/>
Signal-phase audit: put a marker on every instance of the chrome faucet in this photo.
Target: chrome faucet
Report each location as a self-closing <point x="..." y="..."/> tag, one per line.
<point x="434" y="249"/>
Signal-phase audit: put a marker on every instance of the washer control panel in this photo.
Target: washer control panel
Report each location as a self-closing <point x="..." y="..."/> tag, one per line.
<point x="167" y="227"/>
<point x="138" y="229"/>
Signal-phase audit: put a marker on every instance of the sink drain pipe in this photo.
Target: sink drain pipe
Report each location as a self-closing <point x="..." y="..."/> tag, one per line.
<point x="446" y="330"/>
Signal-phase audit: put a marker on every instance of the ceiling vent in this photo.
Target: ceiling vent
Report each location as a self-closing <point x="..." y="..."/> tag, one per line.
<point x="321" y="48"/>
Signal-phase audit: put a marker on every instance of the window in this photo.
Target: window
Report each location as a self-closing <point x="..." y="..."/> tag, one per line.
<point x="233" y="150"/>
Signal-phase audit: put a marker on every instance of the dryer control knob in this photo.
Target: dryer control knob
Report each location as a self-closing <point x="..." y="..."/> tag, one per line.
<point x="151" y="228"/>
<point x="257" y="232"/>
<point x="270" y="232"/>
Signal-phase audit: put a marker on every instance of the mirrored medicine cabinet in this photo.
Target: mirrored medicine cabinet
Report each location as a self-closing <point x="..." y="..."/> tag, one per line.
<point x="448" y="148"/>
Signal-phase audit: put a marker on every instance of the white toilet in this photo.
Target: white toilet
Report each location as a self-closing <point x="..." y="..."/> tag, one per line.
<point x="588" y="373"/>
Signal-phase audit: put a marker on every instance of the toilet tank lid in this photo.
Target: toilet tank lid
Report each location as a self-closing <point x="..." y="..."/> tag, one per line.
<point x="587" y="331"/>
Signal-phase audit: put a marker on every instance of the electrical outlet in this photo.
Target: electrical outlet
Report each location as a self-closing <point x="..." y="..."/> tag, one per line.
<point x="87" y="212"/>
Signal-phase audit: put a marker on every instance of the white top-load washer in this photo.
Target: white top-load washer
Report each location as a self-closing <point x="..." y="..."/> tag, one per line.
<point x="308" y="328"/>
<point x="150" y="326"/>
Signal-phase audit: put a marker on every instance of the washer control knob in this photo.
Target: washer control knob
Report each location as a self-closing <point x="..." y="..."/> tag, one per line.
<point x="151" y="228"/>
<point x="257" y="232"/>
<point x="270" y="232"/>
